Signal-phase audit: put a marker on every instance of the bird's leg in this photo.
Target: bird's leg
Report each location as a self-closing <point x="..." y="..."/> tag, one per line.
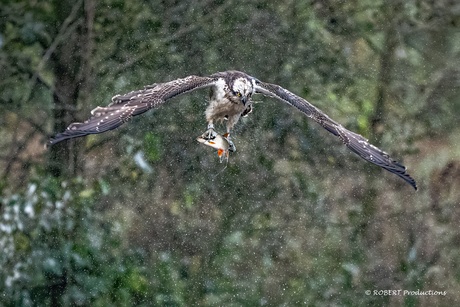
<point x="231" y="145"/>
<point x="209" y="134"/>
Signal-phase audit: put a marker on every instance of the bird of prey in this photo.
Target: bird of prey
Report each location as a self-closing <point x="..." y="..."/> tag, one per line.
<point x="230" y="99"/>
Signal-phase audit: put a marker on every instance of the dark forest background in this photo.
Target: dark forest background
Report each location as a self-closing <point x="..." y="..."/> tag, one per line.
<point x="144" y="215"/>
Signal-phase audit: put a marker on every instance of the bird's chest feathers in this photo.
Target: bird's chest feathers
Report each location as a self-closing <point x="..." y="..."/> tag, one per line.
<point x="224" y="107"/>
<point x="221" y="104"/>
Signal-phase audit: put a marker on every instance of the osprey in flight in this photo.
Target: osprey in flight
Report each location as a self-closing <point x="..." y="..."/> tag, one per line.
<point x="230" y="98"/>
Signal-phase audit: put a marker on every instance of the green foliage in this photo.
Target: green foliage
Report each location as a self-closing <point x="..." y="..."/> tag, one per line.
<point x="152" y="146"/>
<point x="58" y="250"/>
<point x="144" y="215"/>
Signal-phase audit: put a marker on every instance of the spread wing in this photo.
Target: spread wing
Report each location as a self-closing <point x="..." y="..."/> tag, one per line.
<point x="123" y="107"/>
<point x="357" y="143"/>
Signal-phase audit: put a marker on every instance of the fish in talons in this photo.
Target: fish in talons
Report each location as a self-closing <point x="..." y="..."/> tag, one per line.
<point x="219" y="142"/>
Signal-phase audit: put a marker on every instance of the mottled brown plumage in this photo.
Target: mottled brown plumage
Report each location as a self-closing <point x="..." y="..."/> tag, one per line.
<point x="231" y="93"/>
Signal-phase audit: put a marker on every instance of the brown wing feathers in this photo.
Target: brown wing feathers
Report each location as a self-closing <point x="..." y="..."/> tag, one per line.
<point x="124" y="107"/>
<point x="355" y="142"/>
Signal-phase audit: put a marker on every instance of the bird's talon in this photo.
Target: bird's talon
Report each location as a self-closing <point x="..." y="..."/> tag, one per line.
<point x="231" y="145"/>
<point x="209" y="134"/>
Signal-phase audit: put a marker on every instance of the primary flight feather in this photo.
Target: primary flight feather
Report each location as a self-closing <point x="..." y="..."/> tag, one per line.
<point x="230" y="98"/>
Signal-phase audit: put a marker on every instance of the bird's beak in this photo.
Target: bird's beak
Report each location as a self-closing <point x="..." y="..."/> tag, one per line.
<point x="244" y="99"/>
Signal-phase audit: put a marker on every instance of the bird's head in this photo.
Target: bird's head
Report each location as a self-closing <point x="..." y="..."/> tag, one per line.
<point x="243" y="88"/>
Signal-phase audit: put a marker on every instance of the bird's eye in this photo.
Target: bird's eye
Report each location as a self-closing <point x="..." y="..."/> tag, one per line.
<point x="238" y="94"/>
